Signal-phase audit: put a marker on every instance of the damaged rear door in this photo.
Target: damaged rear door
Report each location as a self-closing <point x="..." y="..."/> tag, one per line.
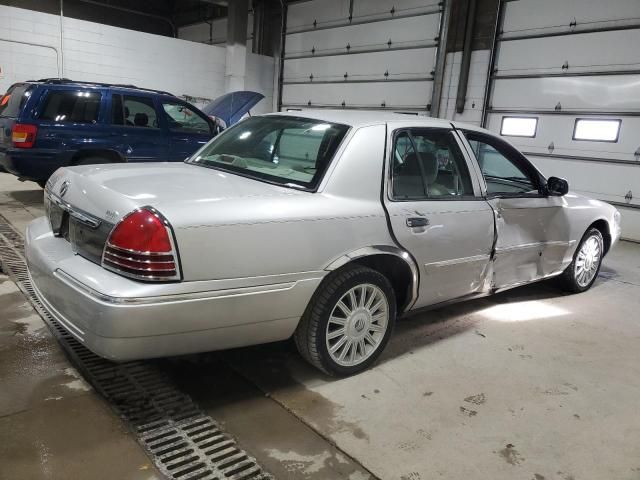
<point x="437" y="212"/>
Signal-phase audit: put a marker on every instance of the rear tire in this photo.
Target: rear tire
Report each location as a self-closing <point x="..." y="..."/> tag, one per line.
<point x="582" y="272"/>
<point x="348" y="321"/>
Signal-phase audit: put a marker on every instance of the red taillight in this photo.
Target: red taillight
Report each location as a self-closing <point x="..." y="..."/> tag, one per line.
<point x="23" y="135"/>
<point x="141" y="247"/>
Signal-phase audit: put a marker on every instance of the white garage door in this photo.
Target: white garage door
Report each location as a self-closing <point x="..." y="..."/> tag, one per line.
<point x="567" y="79"/>
<point x="360" y="54"/>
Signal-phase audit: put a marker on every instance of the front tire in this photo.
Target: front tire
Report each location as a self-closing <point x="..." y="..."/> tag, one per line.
<point x="348" y="322"/>
<point x="582" y="272"/>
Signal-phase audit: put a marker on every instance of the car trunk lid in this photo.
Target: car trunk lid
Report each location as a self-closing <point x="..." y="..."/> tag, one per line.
<point x="84" y="203"/>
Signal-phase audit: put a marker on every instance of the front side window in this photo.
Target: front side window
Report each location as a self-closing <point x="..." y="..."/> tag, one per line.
<point x="428" y="164"/>
<point x="184" y="119"/>
<point x="71" y="106"/>
<point x="139" y="112"/>
<point x="503" y="173"/>
<point x="291" y="151"/>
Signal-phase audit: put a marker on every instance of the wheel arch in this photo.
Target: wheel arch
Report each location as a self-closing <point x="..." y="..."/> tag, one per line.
<point x="96" y="152"/>
<point x="603" y="226"/>
<point x="392" y="262"/>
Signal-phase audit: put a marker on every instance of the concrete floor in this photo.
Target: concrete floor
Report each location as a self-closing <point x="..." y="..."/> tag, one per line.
<point x="530" y="384"/>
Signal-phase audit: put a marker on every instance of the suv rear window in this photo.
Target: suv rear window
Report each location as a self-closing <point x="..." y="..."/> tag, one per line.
<point x="71" y="106"/>
<point x="12" y="102"/>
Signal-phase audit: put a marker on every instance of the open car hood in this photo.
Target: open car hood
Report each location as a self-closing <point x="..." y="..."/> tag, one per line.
<point x="230" y="107"/>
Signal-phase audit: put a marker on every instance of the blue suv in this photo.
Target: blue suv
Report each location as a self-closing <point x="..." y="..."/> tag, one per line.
<point x="50" y="123"/>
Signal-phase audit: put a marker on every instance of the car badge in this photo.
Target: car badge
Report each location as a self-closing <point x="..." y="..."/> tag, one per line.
<point x="64" y="187"/>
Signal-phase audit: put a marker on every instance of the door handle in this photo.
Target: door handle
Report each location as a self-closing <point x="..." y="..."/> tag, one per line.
<point x="414" y="222"/>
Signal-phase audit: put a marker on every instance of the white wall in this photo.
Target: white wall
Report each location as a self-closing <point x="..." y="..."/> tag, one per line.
<point x="101" y="53"/>
<point x="260" y="78"/>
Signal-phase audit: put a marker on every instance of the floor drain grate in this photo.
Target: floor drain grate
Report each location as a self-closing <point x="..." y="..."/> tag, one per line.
<point x="183" y="442"/>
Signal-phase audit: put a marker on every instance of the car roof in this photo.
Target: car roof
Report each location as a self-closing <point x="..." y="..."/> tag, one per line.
<point x="361" y="118"/>
<point x="65" y="82"/>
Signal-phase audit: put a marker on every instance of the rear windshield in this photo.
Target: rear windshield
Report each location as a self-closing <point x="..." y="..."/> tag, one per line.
<point x="71" y="106"/>
<point x="291" y="151"/>
<point x="12" y="102"/>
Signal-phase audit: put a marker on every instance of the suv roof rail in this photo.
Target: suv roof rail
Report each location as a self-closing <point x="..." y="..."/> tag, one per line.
<point x="101" y="84"/>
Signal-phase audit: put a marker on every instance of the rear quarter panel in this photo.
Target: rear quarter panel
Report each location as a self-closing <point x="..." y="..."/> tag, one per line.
<point x="302" y="232"/>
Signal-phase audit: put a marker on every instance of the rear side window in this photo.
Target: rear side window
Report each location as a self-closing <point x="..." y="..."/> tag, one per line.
<point x="428" y="164"/>
<point x="139" y="112"/>
<point x="71" y="106"/>
<point x="12" y="102"/>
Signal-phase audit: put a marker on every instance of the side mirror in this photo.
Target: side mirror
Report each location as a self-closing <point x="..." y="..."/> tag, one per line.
<point x="557" y="187"/>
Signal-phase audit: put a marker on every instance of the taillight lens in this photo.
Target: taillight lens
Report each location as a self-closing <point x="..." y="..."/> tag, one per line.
<point x="141" y="247"/>
<point x="23" y="135"/>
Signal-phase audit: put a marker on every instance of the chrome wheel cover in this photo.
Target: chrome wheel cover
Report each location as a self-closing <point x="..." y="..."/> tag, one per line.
<point x="588" y="261"/>
<point x="357" y="325"/>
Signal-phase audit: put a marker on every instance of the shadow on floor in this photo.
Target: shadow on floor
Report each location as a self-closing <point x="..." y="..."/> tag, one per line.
<point x="278" y="365"/>
<point x="28" y="197"/>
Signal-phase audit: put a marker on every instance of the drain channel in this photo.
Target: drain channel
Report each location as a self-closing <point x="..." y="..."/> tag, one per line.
<point x="183" y="442"/>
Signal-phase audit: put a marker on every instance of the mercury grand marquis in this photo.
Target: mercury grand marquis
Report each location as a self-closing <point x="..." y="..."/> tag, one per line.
<point x="321" y="226"/>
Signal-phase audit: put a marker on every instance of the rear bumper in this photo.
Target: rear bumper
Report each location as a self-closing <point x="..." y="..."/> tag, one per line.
<point x="149" y="322"/>
<point x="30" y="164"/>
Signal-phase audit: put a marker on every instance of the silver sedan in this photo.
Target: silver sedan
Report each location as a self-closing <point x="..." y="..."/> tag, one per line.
<point x="321" y="226"/>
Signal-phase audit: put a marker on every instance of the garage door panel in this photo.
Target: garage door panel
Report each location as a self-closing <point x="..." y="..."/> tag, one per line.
<point x="545" y="14"/>
<point x="400" y="94"/>
<point x="414" y="31"/>
<point x="302" y="15"/>
<point x="600" y="51"/>
<point x="560" y="60"/>
<point x="368" y="8"/>
<point x="588" y="93"/>
<point x="581" y="175"/>
<point x="383" y="57"/>
<point x="411" y="64"/>
<point x="558" y="129"/>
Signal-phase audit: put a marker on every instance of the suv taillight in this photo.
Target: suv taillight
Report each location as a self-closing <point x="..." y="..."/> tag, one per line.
<point x="141" y="246"/>
<point x="23" y="135"/>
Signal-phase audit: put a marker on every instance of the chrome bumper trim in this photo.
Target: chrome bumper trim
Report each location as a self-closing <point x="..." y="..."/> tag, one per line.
<point x="82" y="288"/>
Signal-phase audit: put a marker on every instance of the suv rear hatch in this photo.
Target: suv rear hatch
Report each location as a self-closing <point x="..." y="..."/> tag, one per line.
<point x="11" y="105"/>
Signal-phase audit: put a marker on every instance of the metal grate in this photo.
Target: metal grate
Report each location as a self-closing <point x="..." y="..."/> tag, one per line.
<point x="183" y="442"/>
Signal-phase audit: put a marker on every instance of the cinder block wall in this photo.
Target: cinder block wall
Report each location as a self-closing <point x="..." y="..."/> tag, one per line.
<point x="101" y="53"/>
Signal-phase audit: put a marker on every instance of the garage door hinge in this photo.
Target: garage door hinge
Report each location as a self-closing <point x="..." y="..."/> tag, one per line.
<point x="629" y="196"/>
<point x="573" y="23"/>
<point x="637" y="154"/>
<point x="558" y="107"/>
<point x="565" y="65"/>
<point x="551" y="147"/>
